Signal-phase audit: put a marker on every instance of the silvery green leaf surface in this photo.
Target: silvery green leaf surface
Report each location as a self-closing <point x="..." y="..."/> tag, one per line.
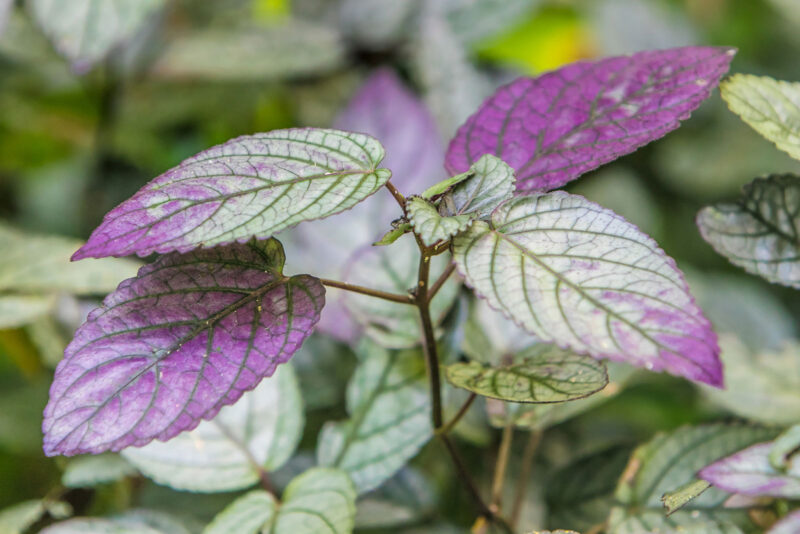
<point x="759" y="232"/>
<point x="257" y="434"/>
<point x="763" y="386"/>
<point x="19" y="310"/>
<point x="131" y="522"/>
<point x="476" y="20"/>
<point x="91" y="471"/>
<point x="85" y="31"/>
<point x="252" y="52"/>
<point x="578" y="275"/>
<point x="539" y="374"/>
<point x="376" y="24"/>
<point x="677" y="499"/>
<point x="319" y="500"/>
<point x="20" y="517"/>
<point x="248" y="514"/>
<point x="251" y="186"/>
<point x="749" y="472"/>
<point x="490" y="183"/>
<point x="657" y="522"/>
<point x="553" y="128"/>
<point x="787" y="525"/>
<point x="429" y="225"/>
<point x="404" y="499"/>
<point x="189" y="335"/>
<point x="39" y="263"/>
<point x="394" y="269"/>
<point x="784" y="447"/>
<point x="389" y="409"/>
<point x="771" y="107"/>
<point x="491" y="338"/>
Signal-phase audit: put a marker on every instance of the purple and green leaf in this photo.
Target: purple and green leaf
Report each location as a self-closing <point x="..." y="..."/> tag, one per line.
<point x="251" y="186"/>
<point x="749" y="472"/>
<point x="553" y="128"/>
<point x="788" y="525"/>
<point x="172" y="346"/>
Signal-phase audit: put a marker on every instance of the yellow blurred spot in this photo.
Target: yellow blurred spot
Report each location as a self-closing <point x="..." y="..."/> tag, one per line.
<point x="266" y="10"/>
<point x="549" y="39"/>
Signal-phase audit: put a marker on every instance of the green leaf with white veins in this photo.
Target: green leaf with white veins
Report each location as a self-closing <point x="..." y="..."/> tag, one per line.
<point x="246" y="515"/>
<point x="389" y="408"/>
<point x="578" y="275"/>
<point x="491" y="182"/>
<point x="771" y="107"/>
<point x="429" y="225"/>
<point x="259" y="432"/>
<point x="760" y="232"/>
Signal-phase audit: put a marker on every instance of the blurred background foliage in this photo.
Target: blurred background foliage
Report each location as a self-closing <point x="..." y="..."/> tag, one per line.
<point x="80" y="132"/>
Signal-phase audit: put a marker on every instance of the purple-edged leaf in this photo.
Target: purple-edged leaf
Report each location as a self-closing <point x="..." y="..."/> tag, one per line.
<point x="251" y="186"/>
<point x="553" y="128"/>
<point x="172" y="346"/>
<point x="388" y="111"/>
<point x="749" y="472"/>
<point x="578" y="275"/>
<point x="788" y="525"/>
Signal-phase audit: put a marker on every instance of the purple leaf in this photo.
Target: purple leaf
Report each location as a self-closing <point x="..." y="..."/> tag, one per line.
<point x="172" y="346"/>
<point x="553" y="128"/>
<point x="251" y="186"/>
<point x="386" y="110"/>
<point x="788" y="525"/>
<point x="750" y="473"/>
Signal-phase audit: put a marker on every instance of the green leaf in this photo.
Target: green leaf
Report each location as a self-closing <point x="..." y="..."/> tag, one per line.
<point x="656" y="522"/>
<point x="763" y="386"/>
<point x="19" y="310"/>
<point x="20" y="517"/>
<point x="784" y="446"/>
<point x="675" y="500"/>
<point x="85" y="31"/>
<point x="132" y="522"/>
<point x="760" y="232"/>
<point x="540" y="374"/>
<point x="491" y="182"/>
<point x="406" y="498"/>
<point x="769" y="106"/>
<point x="259" y="432"/>
<point x="290" y="48"/>
<point x="389" y="408"/>
<point x="376" y="24"/>
<point x="323" y="367"/>
<point x="246" y="515"/>
<point x="429" y="225"/>
<point x="91" y="471"/>
<point x="394" y="269"/>
<point x="393" y="235"/>
<point x="442" y="187"/>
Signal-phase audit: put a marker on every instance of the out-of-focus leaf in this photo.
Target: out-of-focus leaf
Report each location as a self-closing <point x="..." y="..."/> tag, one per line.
<point x="429" y="225"/>
<point x="20" y="418"/>
<point x="132" y="522"/>
<point x="771" y="107"/>
<point x="18" y="518"/>
<point x="287" y="49"/>
<point x="553" y="128"/>
<point x="580" y="494"/>
<point x="491" y="338"/>
<point x="760" y="232"/>
<point x="257" y="434"/>
<point x="85" y="31"/>
<point x="539" y="374"/>
<point x="91" y="471"/>
<point x="580" y="276"/>
<point x="748" y="472"/>
<point x="38" y="263"/>
<point x="19" y="310"/>
<point x="675" y="500"/>
<point x="376" y="24"/>
<point x="49" y="339"/>
<point x="476" y="20"/>
<point x="784" y="446"/>
<point x="5" y="10"/>
<point x="763" y="386"/>
<point x="657" y="522"/>
<point x="490" y="182"/>
<point x="188" y="336"/>
<point x="389" y="420"/>
<point x="405" y="498"/>
<point x="323" y="367"/>
<point x="788" y="525"/>
<point x="394" y="269"/>
<point x="319" y="500"/>
<point x="250" y="186"/>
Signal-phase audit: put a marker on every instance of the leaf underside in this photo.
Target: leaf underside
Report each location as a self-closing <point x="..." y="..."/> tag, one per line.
<point x="171" y="347"/>
<point x="553" y="128"/>
<point x="749" y="472"/>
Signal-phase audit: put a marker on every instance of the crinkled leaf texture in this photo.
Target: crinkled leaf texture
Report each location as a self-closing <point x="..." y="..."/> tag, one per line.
<point x="429" y="225"/>
<point x="491" y="182"/>
<point x="580" y="276"/>
<point x="251" y="186"/>
<point x="771" y="107"/>
<point x="171" y="347"/>
<point x="541" y="374"/>
<point x="749" y="472"/>
<point x="761" y="232"/>
<point x="319" y="500"/>
<point x="553" y="128"/>
<point x="788" y="525"/>
<point x="259" y="432"/>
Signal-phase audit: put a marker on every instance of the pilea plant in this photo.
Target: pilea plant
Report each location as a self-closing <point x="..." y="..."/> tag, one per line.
<point x="177" y="353"/>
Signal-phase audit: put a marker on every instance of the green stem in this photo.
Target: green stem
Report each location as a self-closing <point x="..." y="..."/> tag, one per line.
<point x="457" y="417"/>
<point x="500" y="467"/>
<point x="393" y="297"/>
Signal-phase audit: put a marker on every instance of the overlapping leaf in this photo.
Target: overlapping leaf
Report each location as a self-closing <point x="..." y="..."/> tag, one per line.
<point x="788" y="525"/>
<point x="257" y="434"/>
<point x="91" y="471"/>
<point x="429" y="225"/>
<point x="186" y="337"/>
<point x="784" y="447"/>
<point x="132" y="522"/>
<point x="389" y="420"/>
<point x="761" y="232"/>
<point x="254" y="185"/>
<point x="553" y="128"/>
<point x="319" y="500"/>
<point x="407" y="498"/>
<point x="749" y="472"/>
<point x="20" y="517"/>
<point x="771" y="107"/>
<point x="580" y="276"/>
<point x="541" y="374"/>
<point x="85" y="31"/>
<point x="491" y="182"/>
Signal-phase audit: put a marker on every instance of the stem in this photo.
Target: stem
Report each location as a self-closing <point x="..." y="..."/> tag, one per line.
<point x="465" y="477"/>
<point x="500" y="467"/>
<point x="437" y="285"/>
<point x="429" y="338"/>
<point x="394" y="297"/>
<point x="522" y="482"/>
<point x="262" y="473"/>
<point x="401" y="200"/>
<point x="456" y="418"/>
